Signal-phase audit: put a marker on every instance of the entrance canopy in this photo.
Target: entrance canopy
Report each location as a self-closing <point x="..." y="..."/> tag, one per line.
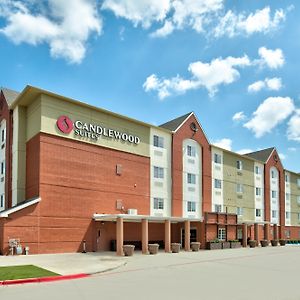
<point x="139" y="218"/>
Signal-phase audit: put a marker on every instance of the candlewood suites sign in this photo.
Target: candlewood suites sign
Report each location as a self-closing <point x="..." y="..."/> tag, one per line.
<point x="93" y="131"/>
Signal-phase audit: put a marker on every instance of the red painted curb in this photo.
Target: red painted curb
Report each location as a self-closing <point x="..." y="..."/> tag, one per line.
<point x="43" y="279"/>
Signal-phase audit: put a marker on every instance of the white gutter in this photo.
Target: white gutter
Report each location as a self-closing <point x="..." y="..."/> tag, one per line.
<point x="12" y="210"/>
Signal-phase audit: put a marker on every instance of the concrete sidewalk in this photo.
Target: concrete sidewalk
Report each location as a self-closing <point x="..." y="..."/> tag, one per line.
<point x="68" y="263"/>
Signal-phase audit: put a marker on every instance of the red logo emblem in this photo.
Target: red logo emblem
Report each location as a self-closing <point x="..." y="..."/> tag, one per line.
<point x="64" y="124"/>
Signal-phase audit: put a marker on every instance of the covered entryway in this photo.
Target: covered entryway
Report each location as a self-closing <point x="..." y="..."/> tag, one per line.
<point x="141" y="230"/>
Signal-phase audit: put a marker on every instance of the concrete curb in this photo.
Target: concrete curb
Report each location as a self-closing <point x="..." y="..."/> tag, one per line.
<point x="43" y="279"/>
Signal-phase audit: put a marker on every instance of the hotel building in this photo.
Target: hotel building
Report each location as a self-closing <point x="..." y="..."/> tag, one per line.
<point x="71" y="172"/>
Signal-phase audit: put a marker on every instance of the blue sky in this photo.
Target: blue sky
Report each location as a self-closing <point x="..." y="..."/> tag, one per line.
<point x="234" y="63"/>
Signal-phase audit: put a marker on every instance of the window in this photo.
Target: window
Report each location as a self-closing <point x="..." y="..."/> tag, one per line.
<point x="287" y="233"/>
<point x="274" y="194"/>
<point x="240" y="233"/>
<point x="191" y="151"/>
<point x="298" y="182"/>
<point x="239" y="165"/>
<point x="287" y="197"/>
<point x="222" y="234"/>
<point x="274" y="213"/>
<point x="158" y="172"/>
<point x="158" y="203"/>
<point x="218" y="184"/>
<point x="3" y="133"/>
<point x="239" y="211"/>
<point x="287" y="215"/>
<point x="2" y="201"/>
<point x="287" y="178"/>
<point x="257" y="170"/>
<point x="191" y="178"/>
<point x="298" y="216"/>
<point x="258" y="212"/>
<point x="273" y="174"/>
<point x="258" y="191"/>
<point x="158" y="141"/>
<point x="217" y="158"/>
<point x="298" y="200"/>
<point x="218" y="208"/>
<point x="3" y="168"/>
<point x="191" y="206"/>
<point x="239" y="188"/>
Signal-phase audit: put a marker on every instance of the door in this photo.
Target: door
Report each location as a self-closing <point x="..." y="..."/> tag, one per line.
<point x="193" y="236"/>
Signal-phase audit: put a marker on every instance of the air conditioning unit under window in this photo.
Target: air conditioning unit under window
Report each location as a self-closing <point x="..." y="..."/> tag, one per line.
<point x="132" y="211"/>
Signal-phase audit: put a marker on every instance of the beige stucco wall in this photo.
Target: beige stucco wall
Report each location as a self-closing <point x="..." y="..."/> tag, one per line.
<point x="295" y="207"/>
<point x="232" y="176"/>
<point x="50" y="108"/>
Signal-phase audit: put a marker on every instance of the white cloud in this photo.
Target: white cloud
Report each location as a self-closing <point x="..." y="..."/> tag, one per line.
<point x="269" y="114"/>
<point x="209" y="75"/>
<point x="272" y="84"/>
<point x="143" y="12"/>
<point x="223" y="143"/>
<point x="282" y="156"/>
<point x="274" y="59"/>
<point x="232" y="24"/>
<point x="239" y="116"/>
<point x="244" y="151"/>
<point x="167" y="29"/>
<point x="292" y="149"/>
<point x="65" y="27"/>
<point x="293" y="131"/>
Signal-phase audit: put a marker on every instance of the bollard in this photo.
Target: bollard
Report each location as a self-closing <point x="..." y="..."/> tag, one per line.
<point x="84" y="246"/>
<point x="26" y="250"/>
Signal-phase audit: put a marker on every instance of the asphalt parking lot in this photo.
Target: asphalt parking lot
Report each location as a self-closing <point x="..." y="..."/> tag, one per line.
<point x="260" y="273"/>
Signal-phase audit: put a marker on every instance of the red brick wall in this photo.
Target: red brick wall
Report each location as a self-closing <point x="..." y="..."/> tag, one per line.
<point x="185" y="132"/>
<point x="75" y="180"/>
<point x="277" y="164"/>
<point x="5" y="114"/>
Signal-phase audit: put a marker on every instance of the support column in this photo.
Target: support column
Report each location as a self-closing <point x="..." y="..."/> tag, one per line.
<point x="275" y="232"/>
<point x="245" y="234"/>
<point x="187" y="235"/>
<point x="145" y="236"/>
<point x="120" y="236"/>
<point x="256" y="233"/>
<point x="167" y="236"/>
<point x="267" y="232"/>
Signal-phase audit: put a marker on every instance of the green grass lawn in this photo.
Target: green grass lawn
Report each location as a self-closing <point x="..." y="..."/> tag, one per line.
<point x="21" y="272"/>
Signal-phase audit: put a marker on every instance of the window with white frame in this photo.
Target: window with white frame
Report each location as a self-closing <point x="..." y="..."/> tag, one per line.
<point x="258" y="191"/>
<point x="191" y="206"/>
<point x="191" y="178"/>
<point x="222" y="234"/>
<point x="298" y="182"/>
<point x="2" y="200"/>
<point x="298" y="216"/>
<point x="191" y="151"/>
<point x="158" y="203"/>
<point x="217" y="158"/>
<point x="298" y="200"/>
<point x="257" y="170"/>
<point x="258" y="212"/>
<point x="287" y="215"/>
<point x="239" y="165"/>
<point x="239" y="211"/>
<point x="158" y="172"/>
<point x="2" y="167"/>
<point x="239" y="188"/>
<point x="218" y="184"/>
<point x="218" y="208"/>
<point x="287" y="196"/>
<point x="274" y="194"/>
<point x="158" y="141"/>
<point x="273" y="174"/>
<point x="287" y="178"/>
<point x="274" y="213"/>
